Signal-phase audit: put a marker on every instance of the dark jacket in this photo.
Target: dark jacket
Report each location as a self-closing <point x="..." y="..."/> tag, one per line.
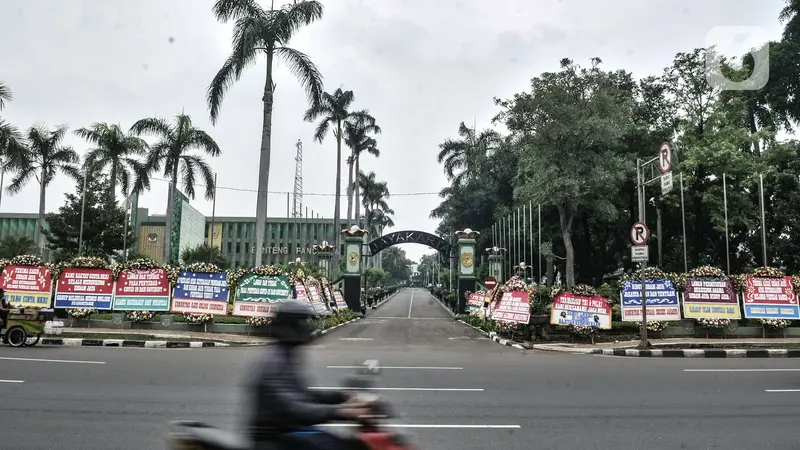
<point x="281" y="400"/>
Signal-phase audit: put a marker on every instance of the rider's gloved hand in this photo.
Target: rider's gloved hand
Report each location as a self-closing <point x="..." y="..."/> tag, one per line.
<point x="355" y="408"/>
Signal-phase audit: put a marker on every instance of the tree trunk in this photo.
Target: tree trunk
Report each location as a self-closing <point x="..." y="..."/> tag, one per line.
<point x="40" y="219"/>
<point x="350" y="190"/>
<point x="173" y="188"/>
<point x="550" y="272"/>
<point x="357" y="192"/>
<point x="371" y="261"/>
<point x="264" y="161"/>
<point x="112" y="185"/>
<point x="337" y="221"/>
<point x="566" y="215"/>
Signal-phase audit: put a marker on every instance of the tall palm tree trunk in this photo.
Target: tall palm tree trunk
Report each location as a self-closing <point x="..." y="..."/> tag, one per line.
<point x="337" y="221"/>
<point x="173" y="188"/>
<point x="264" y="160"/>
<point x="350" y="191"/>
<point x="356" y="193"/>
<point x="112" y="191"/>
<point x="40" y="220"/>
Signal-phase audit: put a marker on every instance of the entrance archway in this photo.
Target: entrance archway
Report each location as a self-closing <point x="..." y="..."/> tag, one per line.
<point x="412" y="237"/>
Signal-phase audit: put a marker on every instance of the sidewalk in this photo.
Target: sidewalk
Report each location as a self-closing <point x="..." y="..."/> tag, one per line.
<point x="686" y="347"/>
<point x="170" y="335"/>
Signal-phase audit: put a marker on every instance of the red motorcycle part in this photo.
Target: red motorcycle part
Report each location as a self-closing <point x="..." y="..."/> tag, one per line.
<point x="380" y="441"/>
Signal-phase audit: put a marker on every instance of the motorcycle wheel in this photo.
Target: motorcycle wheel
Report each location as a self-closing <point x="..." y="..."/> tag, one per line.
<point x="16" y="336"/>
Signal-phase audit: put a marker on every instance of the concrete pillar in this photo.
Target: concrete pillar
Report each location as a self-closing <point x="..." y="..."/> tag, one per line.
<point x="353" y="240"/>
<point x="466" y="266"/>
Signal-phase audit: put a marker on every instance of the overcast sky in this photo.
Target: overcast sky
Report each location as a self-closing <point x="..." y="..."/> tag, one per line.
<point x="421" y="67"/>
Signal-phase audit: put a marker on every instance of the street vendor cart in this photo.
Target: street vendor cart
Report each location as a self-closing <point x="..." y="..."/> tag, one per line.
<point x="24" y="326"/>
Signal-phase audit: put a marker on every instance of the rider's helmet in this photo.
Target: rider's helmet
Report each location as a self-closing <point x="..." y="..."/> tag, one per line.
<point x="291" y="324"/>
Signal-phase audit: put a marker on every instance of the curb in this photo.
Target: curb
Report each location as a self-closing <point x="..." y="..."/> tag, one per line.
<point x="677" y="353"/>
<point x="494" y="337"/>
<point x="380" y="303"/>
<point x="120" y="343"/>
<point x="320" y="333"/>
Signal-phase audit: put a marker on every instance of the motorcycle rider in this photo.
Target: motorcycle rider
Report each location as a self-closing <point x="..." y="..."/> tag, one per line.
<point x="5" y="305"/>
<point x="283" y="408"/>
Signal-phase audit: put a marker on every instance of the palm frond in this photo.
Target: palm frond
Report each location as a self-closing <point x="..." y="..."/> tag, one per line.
<point x="322" y="130"/>
<point x="202" y="140"/>
<point x="5" y="95"/>
<point x="225" y="10"/>
<point x="306" y="72"/>
<point x="20" y="179"/>
<point x="293" y="16"/>
<point x="153" y="126"/>
<point x="246" y="41"/>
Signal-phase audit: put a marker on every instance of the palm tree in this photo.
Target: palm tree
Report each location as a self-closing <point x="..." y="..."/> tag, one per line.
<point x="11" y="145"/>
<point x="173" y="150"/>
<point x="334" y="109"/>
<point x="41" y="159"/>
<point x="461" y="157"/>
<point x="258" y="31"/>
<point x="205" y="254"/>
<point x="114" y="150"/>
<point x="358" y="139"/>
<point x="374" y="194"/>
<point x="12" y="246"/>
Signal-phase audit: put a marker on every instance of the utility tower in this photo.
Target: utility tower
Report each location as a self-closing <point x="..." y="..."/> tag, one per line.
<point x="297" y="210"/>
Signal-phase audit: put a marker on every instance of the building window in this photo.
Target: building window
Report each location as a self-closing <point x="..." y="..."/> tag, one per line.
<point x="230" y="247"/>
<point x="238" y="247"/>
<point x="247" y="247"/>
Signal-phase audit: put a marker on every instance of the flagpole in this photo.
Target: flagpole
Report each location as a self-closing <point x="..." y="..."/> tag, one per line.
<point x="725" y="205"/>
<point x="763" y="219"/>
<point x="213" y="219"/>
<point x="539" y="234"/>
<point x="125" y="229"/>
<point x="83" y="208"/>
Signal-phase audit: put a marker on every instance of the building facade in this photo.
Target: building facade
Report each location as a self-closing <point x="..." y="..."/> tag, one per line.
<point x="285" y="240"/>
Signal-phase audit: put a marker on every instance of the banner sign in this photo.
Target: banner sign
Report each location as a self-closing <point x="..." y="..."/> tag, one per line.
<point x="662" y="301"/>
<point x="512" y="307"/>
<point x="340" y="303"/>
<point x="300" y="292"/>
<point x="84" y="288"/>
<point x="316" y="299"/>
<point x="710" y="299"/>
<point x="259" y="296"/>
<point x="201" y="293"/>
<point x="475" y="302"/>
<point x="27" y="286"/>
<point x="770" y="298"/>
<point x="142" y="290"/>
<point x="571" y="309"/>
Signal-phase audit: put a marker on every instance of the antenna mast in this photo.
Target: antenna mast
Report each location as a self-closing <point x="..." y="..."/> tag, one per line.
<point x="297" y="210"/>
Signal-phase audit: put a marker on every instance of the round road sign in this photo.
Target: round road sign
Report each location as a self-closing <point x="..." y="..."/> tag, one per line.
<point x="665" y="158"/>
<point x="639" y="233"/>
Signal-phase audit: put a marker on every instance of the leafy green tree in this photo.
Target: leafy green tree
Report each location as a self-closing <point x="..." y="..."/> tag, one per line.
<point x="396" y="265"/>
<point x="41" y="158"/>
<point x="204" y="254"/>
<point x="259" y="31"/>
<point x="115" y="151"/>
<point x="103" y="224"/>
<point x="462" y="158"/>
<point x="173" y="151"/>
<point x="12" y="246"/>
<point x="571" y="125"/>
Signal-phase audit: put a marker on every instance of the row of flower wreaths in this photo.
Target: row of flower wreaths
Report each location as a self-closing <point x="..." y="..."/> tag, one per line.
<point x="739" y="282"/>
<point x="172" y="272"/>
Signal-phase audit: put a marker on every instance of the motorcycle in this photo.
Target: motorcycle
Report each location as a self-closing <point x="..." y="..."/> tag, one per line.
<point x="370" y="432"/>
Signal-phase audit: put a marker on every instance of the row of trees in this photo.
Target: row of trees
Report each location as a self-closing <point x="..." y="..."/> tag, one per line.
<point x="572" y="146"/>
<point x="180" y="148"/>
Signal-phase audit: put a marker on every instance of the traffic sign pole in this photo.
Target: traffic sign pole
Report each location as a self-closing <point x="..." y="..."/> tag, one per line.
<point x="644" y="344"/>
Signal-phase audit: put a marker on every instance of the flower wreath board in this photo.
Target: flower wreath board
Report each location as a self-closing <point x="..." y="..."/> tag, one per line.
<point x="770" y="295"/>
<point x="27" y="282"/>
<point x="142" y="287"/>
<point x="339" y="298"/>
<point x="85" y="283"/>
<point x="259" y="295"/>
<point x="514" y="304"/>
<point x="581" y="310"/>
<point x="663" y="304"/>
<point x="710" y="294"/>
<point x="201" y="289"/>
<point x="314" y="296"/>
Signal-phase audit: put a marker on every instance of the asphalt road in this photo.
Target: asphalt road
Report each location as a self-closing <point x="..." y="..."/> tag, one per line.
<point x="453" y="388"/>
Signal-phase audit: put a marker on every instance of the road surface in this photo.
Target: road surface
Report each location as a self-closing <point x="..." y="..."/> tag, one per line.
<point x="454" y="388"/>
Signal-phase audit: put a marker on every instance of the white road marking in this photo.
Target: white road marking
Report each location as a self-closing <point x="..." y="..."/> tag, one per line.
<point x="400" y="367"/>
<point x="8" y="358"/>
<point x="781" y="390"/>
<point x="411" y="303"/>
<point x="411" y="318"/>
<point x="11" y="381"/>
<point x="741" y="370"/>
<point x="426" y="425"/>
<point x="356" y="339"/>
<point x="332" y="388"/>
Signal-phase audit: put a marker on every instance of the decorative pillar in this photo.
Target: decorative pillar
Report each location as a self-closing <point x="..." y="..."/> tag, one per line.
<point x="496" y="263"/>
<point x="324" y="254"/>
<point x="353" y="240"/>
<point x="466" y="266"/>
